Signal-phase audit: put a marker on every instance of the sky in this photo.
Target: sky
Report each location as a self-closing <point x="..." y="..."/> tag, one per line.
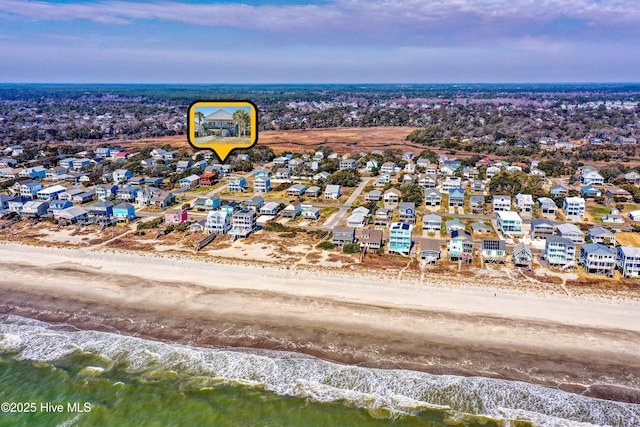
<point x="332" y="41"/>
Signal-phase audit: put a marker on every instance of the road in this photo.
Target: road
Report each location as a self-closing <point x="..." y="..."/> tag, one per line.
<point x="337" y="217"/>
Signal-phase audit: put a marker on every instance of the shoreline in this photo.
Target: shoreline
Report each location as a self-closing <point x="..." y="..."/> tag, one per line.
<point x="576" y="345"/>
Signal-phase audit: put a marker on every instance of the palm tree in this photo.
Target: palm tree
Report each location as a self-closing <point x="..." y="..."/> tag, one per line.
<point x="199" y="116"/>
<point x="242" y="119"/>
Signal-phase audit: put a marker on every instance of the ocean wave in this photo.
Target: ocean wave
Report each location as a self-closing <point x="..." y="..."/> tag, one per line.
<point x="291" y="374"/>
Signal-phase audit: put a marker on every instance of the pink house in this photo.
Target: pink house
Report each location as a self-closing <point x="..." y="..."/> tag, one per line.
<point x="175" y="216"/>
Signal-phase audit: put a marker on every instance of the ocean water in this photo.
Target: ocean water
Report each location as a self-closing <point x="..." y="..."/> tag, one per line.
<point x="56" y="375"/>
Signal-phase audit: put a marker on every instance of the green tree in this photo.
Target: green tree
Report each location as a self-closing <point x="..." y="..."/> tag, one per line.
<point x="242" y="119"/>
<point x="345" y="178"/>
<point x="199" y="116"/>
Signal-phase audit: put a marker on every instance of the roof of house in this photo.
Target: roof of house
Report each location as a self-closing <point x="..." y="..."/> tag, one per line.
<point x="430" y="245"/>
<point x="461" y="234"/>
<point x="493" y="245"/>
<point x="431" y="217"/>
<point x="541" y="222"/>
<point x="509" y="215"/>
<point x="369" y="235"/>
<point x="630" y="251"/>
<point x="332" y="189"/>
<point x="600" y="231"/>
<point x="562" y="240"/>
<point x="568" y="228"/>
<point x="521" y="247"/>
<point x="597" y="248"/>
<point x="479" y="226"/>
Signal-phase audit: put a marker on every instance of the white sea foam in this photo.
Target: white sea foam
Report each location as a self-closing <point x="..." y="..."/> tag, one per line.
<point x="303" y="376"/>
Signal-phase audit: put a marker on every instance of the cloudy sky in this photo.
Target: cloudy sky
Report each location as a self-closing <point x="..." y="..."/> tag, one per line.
<point x="333" y="41"/>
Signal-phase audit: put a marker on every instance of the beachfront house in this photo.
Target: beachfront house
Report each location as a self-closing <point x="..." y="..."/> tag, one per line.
<point x="509" y="223"/>
<point x="121" y="175"/>
<point x="218" y="222"/>
<point x="243" y="223"/>
<point x="313" y="191"/>
<point x="175" y="216"/>
<point x="73" y="214"/>
<point x="400" y="238"/>
<point x="478" y="186"/>
<point x="493" y="251"/>
<point x="430" y="250"/>
<point x="560" y="252"/>
<point x="34" y="209"/>
<point x="460" y="246"/>
<point x="284" y="173"/>
<point x="347" y="164"/>
<point x="104" y="192"/>
<point x="208" y="178"/>
<point x="454" y="224"/>
<point x="370" y="239"/>
<point x="343" y="235"/>
<point x="428" y="180"/>
<point x="100" y="209"/>
<point x="559" y="190"/>
<point x="58" y="205"/>
<point x="598" y="259"/>
<point x="574" y="208"/>
<point x="628" y="261"/>
<point x="522" y="256"/>
<point x="124" y="212"/>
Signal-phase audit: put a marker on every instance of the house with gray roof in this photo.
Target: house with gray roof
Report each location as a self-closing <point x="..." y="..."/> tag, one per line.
<point x="628" y="261"/>
<point x="571" y="232"/>
<point x="431" y="222"/>
<point x="597" y="259"/>
<point x="601" y="235"/>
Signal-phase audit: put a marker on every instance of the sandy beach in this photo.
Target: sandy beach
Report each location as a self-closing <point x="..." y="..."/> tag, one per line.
<point x="440" y="324"/>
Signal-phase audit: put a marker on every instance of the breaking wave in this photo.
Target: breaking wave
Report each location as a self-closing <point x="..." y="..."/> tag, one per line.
<point x="292" y="374"/>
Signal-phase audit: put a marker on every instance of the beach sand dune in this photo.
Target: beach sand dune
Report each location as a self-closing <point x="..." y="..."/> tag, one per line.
<point x="587" y="346"/>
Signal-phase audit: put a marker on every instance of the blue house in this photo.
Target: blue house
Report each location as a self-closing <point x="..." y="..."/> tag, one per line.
<point x="400" y="238"/>
<point x="124" y="212"/>
<point x="590" y="191"/>
<point x="58" y="205"/>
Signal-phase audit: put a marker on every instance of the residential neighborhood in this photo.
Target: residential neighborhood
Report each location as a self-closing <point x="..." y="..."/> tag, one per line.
<point x="443" y="210"/>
